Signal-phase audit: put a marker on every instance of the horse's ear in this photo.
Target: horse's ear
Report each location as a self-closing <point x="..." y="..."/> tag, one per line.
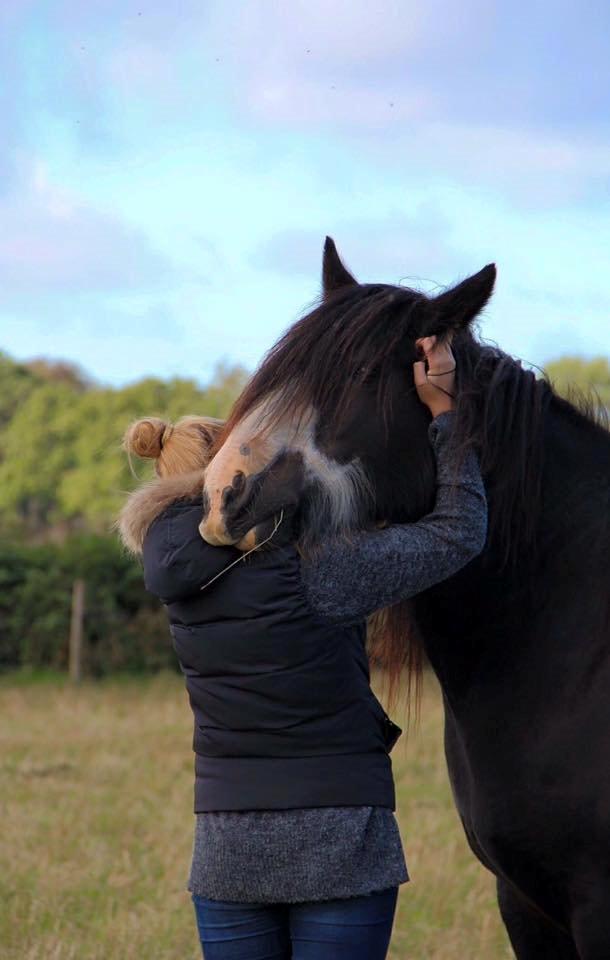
<point x="456" y="308"/>
<point x="334" y="274"/>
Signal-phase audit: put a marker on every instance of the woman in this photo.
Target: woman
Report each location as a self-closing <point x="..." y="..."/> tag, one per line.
<point x="297" y="851"/>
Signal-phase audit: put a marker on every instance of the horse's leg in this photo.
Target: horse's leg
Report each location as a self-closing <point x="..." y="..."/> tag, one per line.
<point x="531" y="935"/>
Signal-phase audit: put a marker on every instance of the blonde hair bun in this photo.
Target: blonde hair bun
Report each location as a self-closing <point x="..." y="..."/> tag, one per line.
<point x="145" y="437"/>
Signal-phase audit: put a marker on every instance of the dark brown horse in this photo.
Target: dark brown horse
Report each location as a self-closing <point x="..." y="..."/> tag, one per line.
<point x="330" y="430"/>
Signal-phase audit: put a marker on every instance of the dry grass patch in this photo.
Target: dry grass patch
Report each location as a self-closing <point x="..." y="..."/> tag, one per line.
<point x="95" y="805"/>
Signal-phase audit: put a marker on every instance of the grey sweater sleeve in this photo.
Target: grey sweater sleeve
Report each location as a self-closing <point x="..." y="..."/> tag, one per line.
<point x="347" y="581"/>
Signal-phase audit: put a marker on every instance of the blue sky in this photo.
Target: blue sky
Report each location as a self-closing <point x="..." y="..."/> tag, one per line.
<point x="169" y="171"/>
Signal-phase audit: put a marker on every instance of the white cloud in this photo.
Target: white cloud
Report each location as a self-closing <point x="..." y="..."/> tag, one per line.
<point x="51" y="241"/>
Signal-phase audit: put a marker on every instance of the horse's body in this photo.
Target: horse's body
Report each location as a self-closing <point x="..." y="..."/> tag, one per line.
<point x="520" y="639"/>
<point x="524" y="663"/>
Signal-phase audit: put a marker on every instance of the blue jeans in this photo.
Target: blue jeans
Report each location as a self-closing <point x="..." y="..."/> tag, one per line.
<point x="358" y="928"/>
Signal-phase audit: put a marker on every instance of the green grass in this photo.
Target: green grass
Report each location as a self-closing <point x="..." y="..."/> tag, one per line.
<point x="95" y="806"/>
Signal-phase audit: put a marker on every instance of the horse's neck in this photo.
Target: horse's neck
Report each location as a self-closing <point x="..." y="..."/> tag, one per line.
<point x="489" y="624"/>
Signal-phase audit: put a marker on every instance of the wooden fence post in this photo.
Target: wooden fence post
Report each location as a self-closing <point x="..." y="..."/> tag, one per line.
<point x="76" y="630"/>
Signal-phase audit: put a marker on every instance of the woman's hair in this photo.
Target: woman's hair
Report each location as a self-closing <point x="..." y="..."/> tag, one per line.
<point x="176" y="447"/>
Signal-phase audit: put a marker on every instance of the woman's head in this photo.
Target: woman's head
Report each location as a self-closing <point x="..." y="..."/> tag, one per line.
<point x="175" y="447"/>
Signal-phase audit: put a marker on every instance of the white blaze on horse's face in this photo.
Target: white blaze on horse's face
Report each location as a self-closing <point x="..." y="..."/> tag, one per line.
<point x="339" y="487"/>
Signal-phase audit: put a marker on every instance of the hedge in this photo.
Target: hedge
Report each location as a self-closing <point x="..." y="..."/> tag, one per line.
<point x="125" y="629"/>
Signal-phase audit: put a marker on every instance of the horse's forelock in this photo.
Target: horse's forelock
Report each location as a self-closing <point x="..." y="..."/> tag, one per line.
<point x="314" y="363"/>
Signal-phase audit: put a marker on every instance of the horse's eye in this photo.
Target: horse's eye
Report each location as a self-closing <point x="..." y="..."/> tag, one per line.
<point x="365" y="374"/>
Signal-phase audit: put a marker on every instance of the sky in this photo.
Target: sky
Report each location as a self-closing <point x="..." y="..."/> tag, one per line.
<point x="168" y="172"/>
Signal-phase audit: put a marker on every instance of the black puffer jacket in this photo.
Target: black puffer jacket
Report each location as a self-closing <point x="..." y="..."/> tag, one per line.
<point x="284" y="714"/>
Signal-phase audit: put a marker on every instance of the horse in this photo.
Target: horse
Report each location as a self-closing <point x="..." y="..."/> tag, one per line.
<point x="329" y="431"/>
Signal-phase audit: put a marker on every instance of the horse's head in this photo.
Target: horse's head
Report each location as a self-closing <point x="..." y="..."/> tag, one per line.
<point x="330" y="429"/>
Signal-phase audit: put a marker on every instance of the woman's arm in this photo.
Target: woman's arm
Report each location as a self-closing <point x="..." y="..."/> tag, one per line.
<point x="349" y="581"/>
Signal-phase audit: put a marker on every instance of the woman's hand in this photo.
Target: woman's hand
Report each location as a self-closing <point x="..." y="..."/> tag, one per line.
<point x="435" y="386"/>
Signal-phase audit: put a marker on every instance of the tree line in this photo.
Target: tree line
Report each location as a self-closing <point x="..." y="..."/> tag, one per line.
<point x="63" y="478"/>
<point x="62" y="469"/>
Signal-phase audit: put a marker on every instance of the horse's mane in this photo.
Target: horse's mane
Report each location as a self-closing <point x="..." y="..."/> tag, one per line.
<point x="356" y="330"/>
<point x="502" y="411"/>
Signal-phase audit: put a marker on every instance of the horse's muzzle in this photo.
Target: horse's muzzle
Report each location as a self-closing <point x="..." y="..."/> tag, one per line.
<point x="215" y="534"/>
<point x="249" y="501"/>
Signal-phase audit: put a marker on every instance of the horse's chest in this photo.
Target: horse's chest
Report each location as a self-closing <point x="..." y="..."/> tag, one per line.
<point x="517" y="827"/>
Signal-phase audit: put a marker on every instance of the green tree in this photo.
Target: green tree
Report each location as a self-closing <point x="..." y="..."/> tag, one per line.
<point x="16" y="383"/>
<point x="62" y="468"/>
<point x="59" y="371"/>
<point x="38" y="445"/>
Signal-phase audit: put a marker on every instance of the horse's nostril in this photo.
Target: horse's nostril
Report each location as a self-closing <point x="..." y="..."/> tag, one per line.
<point x="238" y="485"/>
<point x="239" y="481"/>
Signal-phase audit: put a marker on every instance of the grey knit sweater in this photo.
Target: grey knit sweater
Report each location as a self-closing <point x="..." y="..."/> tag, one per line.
<point x="292" y="856"/>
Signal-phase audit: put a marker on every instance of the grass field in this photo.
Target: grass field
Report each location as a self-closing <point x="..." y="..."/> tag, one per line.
<point x="96" y="822"/>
